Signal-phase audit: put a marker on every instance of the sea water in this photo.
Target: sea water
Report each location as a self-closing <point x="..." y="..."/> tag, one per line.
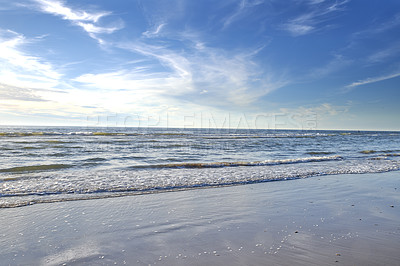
<point x="48" y="164"/>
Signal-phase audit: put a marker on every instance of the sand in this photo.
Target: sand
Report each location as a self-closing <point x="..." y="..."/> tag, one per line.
<point x="328" y="220"/>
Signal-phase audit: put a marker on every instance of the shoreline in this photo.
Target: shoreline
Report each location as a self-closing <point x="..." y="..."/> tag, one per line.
<point x="326" y="220"/>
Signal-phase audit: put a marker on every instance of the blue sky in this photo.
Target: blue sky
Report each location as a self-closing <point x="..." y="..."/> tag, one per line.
<point x="302" y="64"/>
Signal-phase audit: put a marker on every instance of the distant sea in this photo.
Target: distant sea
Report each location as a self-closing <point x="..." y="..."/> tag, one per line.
<point x="49" y="164"/>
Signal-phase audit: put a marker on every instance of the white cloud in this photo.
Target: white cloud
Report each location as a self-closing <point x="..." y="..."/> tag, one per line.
<point x="384" y="54"/>
<point x="180" y="68"/>
<point x="22" y="101"/>
<point x="91" y="28"/>
<point x="8" y="92"/>
<point x="140" y="85"/>
<point x="337" y="63"/>
<point x="136" y="90"/>
<point x="88" y="21"/>
<point x="228" y="78"/>
<point x="319" y="110"/>
<point x="58" y="8"/>
<point x="30" y="84"/>
<point x="322" y="116"/>
<point x="377" y="28"/>
<point x="22" y="69"/>
<point x="155" y="32"/>
<point x="298" y="29"/>
<point x="372" y="80"/>
<point x="315" y="2"/>
<point x="310" y="21"/>
<point x="241" y="10"/>
<point x="197" y="79"/>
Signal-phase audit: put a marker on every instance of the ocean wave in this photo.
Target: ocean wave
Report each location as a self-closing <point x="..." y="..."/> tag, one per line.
<point x="319" y="153"/>
<point x="269" y="136"/>
<point x="391" y="154"/>
<point x="95" y="159"/>
<point x="204" y="134"/>
<point x="87" y="133"/>
<point x="32" y="148"/>
<point x="21" y="134"/>
<point x="34" y="168"/>
<point x="383" y="153"/>
<point x="54" y="164"/>
<point x="368" y="151"/>
<point x="234" y="164"/>
<point x="122" y="183"/>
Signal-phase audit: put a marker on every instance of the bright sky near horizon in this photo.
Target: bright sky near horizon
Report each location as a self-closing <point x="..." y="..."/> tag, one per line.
<point x="301" y="64"/>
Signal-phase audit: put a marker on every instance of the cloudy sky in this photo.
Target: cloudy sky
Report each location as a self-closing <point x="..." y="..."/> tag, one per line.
<point x="303" y="64"/>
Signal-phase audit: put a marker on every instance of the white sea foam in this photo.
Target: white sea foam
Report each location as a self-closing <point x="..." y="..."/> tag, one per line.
<point x="78" y="184"/>
<point x="55" y="164"/>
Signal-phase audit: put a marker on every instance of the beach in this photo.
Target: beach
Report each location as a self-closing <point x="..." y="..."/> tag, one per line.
<point x="183" y="132"/>
<point x="326" y="220"/>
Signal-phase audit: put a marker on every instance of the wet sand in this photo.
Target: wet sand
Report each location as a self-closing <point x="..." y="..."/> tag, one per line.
<point x="329" y="220"/>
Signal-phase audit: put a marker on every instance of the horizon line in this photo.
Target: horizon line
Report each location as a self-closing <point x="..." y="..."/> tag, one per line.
<point x="206" y="128"/>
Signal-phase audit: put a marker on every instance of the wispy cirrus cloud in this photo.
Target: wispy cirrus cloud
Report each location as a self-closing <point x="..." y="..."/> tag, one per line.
<point x="154" y="32"/>
<point x="314" y="2"/>
<point x="241" y="10"/>
<point x="324" y="109"/>
<point x="144" y="87"/>
<point x="312" y="20"/>
<point x="29" y="83"/>
<point x="199" y="76"/>
<point x="384" y="54"/>
<point x="160" y="14"/>
<point x="371" y="80"/>
<point x="87" y="20"/>
<point x="319" y="116"/>
<point x="58" y="8"/>
<point x="211" y="75"/>
<point x="9" y="92"/>
<point x="336" y="64"/>
<point x="22" y="69"/>
<point x="379" y="27"/>
<point x="374" y="32"/>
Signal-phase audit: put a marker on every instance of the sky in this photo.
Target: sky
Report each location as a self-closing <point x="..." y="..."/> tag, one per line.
<point x="293" y="64"/>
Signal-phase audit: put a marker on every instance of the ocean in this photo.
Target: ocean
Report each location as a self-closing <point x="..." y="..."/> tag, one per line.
<point x="52" y="164"/>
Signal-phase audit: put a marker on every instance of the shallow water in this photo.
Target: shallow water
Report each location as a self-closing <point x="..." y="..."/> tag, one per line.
<point x="300" y="222"/>
<point x="47" y="164"/>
